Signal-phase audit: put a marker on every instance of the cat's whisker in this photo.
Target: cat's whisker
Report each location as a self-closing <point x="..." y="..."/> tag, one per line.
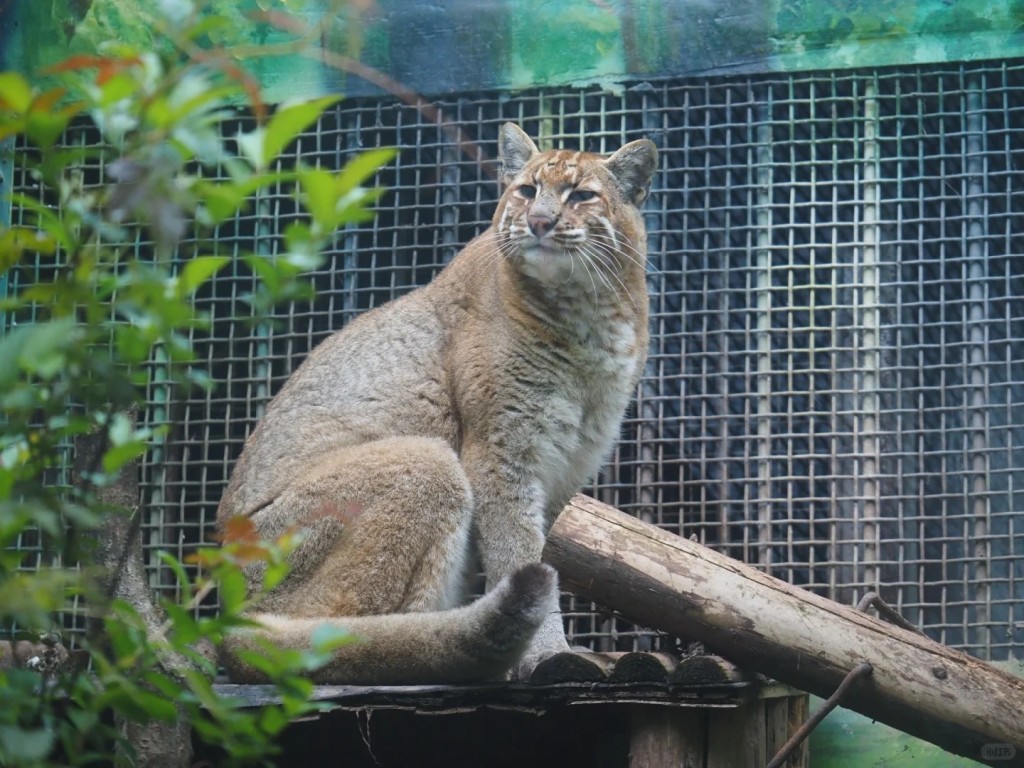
<point x="628" y="251"/>
<point x="640" y="256"/>
<point x="585" y="260"/>
<point x="605" y="259"/>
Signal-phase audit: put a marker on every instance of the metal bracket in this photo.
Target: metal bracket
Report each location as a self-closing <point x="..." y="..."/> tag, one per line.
<point x="861" y="670"/>
<point x="886" y="612"/>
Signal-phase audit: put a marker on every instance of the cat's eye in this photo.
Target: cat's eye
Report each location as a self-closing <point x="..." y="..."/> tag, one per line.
<point x="582" y="195"/>
<point x="527" y="191"/>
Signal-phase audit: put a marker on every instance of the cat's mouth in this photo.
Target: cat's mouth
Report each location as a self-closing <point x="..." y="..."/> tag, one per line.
<point x="541" y="247"/>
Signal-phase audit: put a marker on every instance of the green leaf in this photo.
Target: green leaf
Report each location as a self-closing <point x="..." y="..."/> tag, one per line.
<point x="141" y="704"/>
<point x="251" y="146"/>
<point x="121" y="429"/>
<point x="83" y="719"/>
<point x="163" y="684"/>
<point x="219" y="202"/>
<point x="119" y="455"/>
<point x="362" y="167"/>
<point x="132" y="346"/>
<point x="232" y="590"/>
<point x="207" y="25"/>
<point x="263" y="660"/>
<point x="275" y="574"/>
<point x="272" y="720"/>
<point x="15" y="92"/>
<point x="197" y="271"/>
<point x="328" y="637"/>
<point x="22" y="745"/>
<point x="289" y="121"/>
<point x="40" y="348"/>
<point x="45" y="126"/>
<point x="180" y="574"/>
<point x="17" y="241"/>
<point x="263" y="268"/>
<point x="319" y="196"/>
<point x="202" y="690"/>
<point x="47" y="220"/>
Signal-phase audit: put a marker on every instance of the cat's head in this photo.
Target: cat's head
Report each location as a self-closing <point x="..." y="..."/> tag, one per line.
<point x="565" y="212"/>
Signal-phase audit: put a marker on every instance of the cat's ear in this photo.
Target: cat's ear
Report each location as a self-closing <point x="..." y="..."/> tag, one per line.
<point x="515" y="149"/>
<point x="633" y="166"/>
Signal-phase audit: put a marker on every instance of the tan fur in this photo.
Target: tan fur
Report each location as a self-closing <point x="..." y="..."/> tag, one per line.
<point x="472" y="407"/>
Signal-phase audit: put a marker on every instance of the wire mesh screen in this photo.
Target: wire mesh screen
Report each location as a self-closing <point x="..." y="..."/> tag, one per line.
<point x="835" y="389"/>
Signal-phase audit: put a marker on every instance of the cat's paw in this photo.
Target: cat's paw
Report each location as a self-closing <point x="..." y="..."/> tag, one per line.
<point x="523" y="670"/>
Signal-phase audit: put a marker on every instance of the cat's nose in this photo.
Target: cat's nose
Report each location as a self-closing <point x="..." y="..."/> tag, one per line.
<point x="540" y="224"/>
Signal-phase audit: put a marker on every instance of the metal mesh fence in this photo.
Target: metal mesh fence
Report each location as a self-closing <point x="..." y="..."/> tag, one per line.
<point x="835" y="389"/>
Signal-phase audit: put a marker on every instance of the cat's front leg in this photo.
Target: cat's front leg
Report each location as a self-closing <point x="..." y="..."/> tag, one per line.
<point x="509" y="517"/>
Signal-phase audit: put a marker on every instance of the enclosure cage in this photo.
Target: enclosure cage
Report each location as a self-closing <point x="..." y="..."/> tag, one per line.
<point x="835" y="387"/>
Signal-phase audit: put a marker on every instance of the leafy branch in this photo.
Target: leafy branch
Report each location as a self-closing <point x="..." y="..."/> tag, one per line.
<point x="128" y="255"/>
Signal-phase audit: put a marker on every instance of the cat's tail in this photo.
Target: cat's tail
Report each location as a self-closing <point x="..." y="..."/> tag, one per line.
<point x="475" y="643"/>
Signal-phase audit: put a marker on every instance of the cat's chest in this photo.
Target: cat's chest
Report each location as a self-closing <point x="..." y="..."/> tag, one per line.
<point x="575" y="413"/>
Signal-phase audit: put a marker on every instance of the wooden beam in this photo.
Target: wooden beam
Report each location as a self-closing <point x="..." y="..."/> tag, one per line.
<point x="664" y="581"/>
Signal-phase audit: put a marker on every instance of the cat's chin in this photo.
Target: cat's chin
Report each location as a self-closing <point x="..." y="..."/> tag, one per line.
<point x="548" y="265"/>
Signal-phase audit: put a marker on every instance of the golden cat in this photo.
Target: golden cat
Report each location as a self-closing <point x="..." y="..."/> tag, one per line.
<point x="468" y="411"/>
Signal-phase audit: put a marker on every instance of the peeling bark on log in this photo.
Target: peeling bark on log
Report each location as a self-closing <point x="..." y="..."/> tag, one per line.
<point x="661" y="580"/>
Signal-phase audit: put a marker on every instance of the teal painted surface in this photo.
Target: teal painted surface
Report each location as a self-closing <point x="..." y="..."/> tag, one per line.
<point x="445" y="46"/>
<point x="816" y="34"/>
<point x="550" y="41"/>
<point x="846" y="739"/>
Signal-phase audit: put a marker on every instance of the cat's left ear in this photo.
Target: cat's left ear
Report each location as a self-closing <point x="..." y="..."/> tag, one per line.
<point x="515" y="149"/>
<point x="633" y="166"/>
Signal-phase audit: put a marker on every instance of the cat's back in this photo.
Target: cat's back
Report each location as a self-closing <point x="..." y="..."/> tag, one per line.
<point x="381" y="375"/>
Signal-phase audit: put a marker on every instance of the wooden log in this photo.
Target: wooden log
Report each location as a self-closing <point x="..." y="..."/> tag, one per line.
<point x="572" y="667"/>
<point x="707" y="669"/>
<point x="642" y="667"/>
<point x="661" y="580"/>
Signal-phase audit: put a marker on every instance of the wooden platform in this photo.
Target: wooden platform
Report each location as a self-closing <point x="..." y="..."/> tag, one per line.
<point x="593" y="724"/>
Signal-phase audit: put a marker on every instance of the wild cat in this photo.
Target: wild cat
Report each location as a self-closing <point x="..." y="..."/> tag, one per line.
<point x="469" y="410"/>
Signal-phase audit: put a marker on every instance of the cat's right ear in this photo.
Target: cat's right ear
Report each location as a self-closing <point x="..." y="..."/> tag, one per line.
<point x="515" y="149"/>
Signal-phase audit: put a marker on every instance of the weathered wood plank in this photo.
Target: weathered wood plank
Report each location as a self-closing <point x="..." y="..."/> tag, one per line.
<point x="443" y="698"/>
<point x="736" y="737"/>
<point x="776" y="726"/>
<point x="665" y="737"/>
<point x="799" y="711"/>
<point x="665" y="581"/>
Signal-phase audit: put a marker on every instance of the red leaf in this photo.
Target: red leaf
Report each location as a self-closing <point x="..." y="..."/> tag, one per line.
<point x="81" y="61"/>
<point x="44" y="101"/>
<point x="239" y="529"/>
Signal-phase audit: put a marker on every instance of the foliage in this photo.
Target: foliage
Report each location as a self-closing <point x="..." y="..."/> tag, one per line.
<point x="75" y="361"/>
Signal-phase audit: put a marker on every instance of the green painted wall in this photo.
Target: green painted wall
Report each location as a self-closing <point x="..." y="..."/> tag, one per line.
<point x="848" y="740"/>
<point x="444" y="46"/>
